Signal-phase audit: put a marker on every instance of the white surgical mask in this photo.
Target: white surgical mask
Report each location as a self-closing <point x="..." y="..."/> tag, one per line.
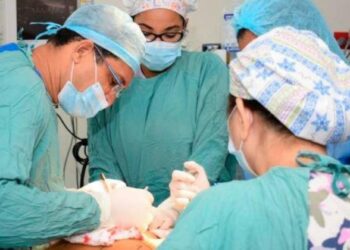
<point x="241" y="159"/>
<point x="84" y="104"/>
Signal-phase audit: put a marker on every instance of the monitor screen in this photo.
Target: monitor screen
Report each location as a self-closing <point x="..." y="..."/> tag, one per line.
<point x="28" y="11"/>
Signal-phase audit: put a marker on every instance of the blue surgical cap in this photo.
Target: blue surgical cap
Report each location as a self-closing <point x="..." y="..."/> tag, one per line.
<point x="108" y="27"/>
<point x="261" y="16"/>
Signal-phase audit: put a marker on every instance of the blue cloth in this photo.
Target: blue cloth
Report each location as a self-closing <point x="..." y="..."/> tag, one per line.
<point x="34" y="206"/>
<point x="340" y="151"/>
<point x="9" y="47"/>
<point x="261" y="16"/>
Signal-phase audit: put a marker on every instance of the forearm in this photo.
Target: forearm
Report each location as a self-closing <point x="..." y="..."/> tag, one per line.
<point x="31" y="217"/>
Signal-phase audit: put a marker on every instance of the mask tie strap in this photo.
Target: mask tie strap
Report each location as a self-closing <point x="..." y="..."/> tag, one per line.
<point x="95" y="68"/>
<point x="71" y="71"/>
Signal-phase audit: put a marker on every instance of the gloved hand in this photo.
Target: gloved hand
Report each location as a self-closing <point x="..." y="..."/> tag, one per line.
<point x="201" y="182"/>
<point x="121" y="206"/>
<point x="165" y="216"/>
<point x="184" y="186"/>
<point x="132" y="207"/>
<point x="182" y="190"/>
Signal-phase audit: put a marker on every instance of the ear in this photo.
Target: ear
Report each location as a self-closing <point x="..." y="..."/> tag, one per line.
<point x="246" y="38"/>
<point x="82" y="48"/>
<point x="245" y="117"/>
<point x="186" y="23"/>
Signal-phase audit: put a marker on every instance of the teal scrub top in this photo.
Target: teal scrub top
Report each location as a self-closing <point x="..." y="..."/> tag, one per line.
<point x="269" y="212"/>
<point x="34" y="207"/>
<point x="159" y="123"/>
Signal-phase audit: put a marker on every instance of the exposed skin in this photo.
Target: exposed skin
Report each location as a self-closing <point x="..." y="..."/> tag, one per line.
<point x="263" y="146"/>
<point x="55" y="65"/>
<point x="159" y="21"/>
<point x="245" y="39"/>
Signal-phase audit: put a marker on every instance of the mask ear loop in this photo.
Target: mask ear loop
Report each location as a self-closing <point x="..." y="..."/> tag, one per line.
<point x="245" y="159"/>
<point x="228" y="123"/>
<point x="241" y="146"/>
<point x="71" y="71"/>
<point x="96" y="74"/>
<point x="95" y="68"/>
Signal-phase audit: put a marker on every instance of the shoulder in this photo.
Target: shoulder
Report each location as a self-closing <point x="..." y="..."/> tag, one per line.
<point x="206" y="68"/>
<point x="228" y="198"/>
<point x="246" y="207"/>
<point x="214" y="215"/>
<point x="18" y="78"/>
<point x="245" y="197"/>
<point x="288" y="177"/>
<point x="201" y="59"/>
<point x="22" y="92"/>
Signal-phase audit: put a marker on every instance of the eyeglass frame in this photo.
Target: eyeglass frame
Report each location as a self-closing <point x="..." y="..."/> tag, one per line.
<point x="156" y="36"/>
<point x="119" y="86"/>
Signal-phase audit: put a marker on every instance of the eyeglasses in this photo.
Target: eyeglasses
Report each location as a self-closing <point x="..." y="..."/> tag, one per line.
<point x="171" y="37"/>
<point x="118" y="86"/>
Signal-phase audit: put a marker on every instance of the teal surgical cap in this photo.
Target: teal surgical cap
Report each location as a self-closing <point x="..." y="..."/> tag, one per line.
<point x="261" y="16"/>
<point x="108" y="27"/>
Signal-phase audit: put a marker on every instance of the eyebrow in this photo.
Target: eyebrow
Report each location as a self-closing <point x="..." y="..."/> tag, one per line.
<point x="146" y="26"/>
<point x="167" y="29"/>
<point x="173" y="27"/>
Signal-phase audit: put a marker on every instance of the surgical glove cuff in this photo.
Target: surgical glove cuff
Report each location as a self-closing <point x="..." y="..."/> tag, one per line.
<point x="100" y="191"/>
<point x="104" y="202"/>
<point x="169" y="204"/>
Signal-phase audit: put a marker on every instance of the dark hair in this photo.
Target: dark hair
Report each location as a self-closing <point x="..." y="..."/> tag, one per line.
<point x="241" y="33"/>
<point x="184" y="22"/>
<point x="66" y="36"/>
<point x="266" y="115"/>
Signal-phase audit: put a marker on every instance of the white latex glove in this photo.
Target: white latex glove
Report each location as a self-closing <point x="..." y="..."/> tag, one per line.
<point x="201" y="182"/>
<point x="122" y="206"/>
<point x="165" y="216"/>
<point x="182" y="190"/>
<point x="184" y="186"/>
<point x="97" y="190"/>
<point x="132" y="207"/>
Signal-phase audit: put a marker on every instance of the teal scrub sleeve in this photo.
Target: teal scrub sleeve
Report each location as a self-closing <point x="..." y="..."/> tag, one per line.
<point x="101" y="154"/>
<point x="211" y="136"/>
<point x="29" y="216"/>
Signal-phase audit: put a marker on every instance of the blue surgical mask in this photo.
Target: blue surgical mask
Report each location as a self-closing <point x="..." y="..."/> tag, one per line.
<point x="84" y="104"/>
<point x="161" y="55"/>
<point x="248" y="172"/>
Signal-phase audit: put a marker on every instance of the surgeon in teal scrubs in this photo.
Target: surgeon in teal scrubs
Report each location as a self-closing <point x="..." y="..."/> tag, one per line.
<point x="175" y="110"/>
<point x="256" y="17"/>
<point x="81" y="68"/>
<point x="279" y="126"/>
